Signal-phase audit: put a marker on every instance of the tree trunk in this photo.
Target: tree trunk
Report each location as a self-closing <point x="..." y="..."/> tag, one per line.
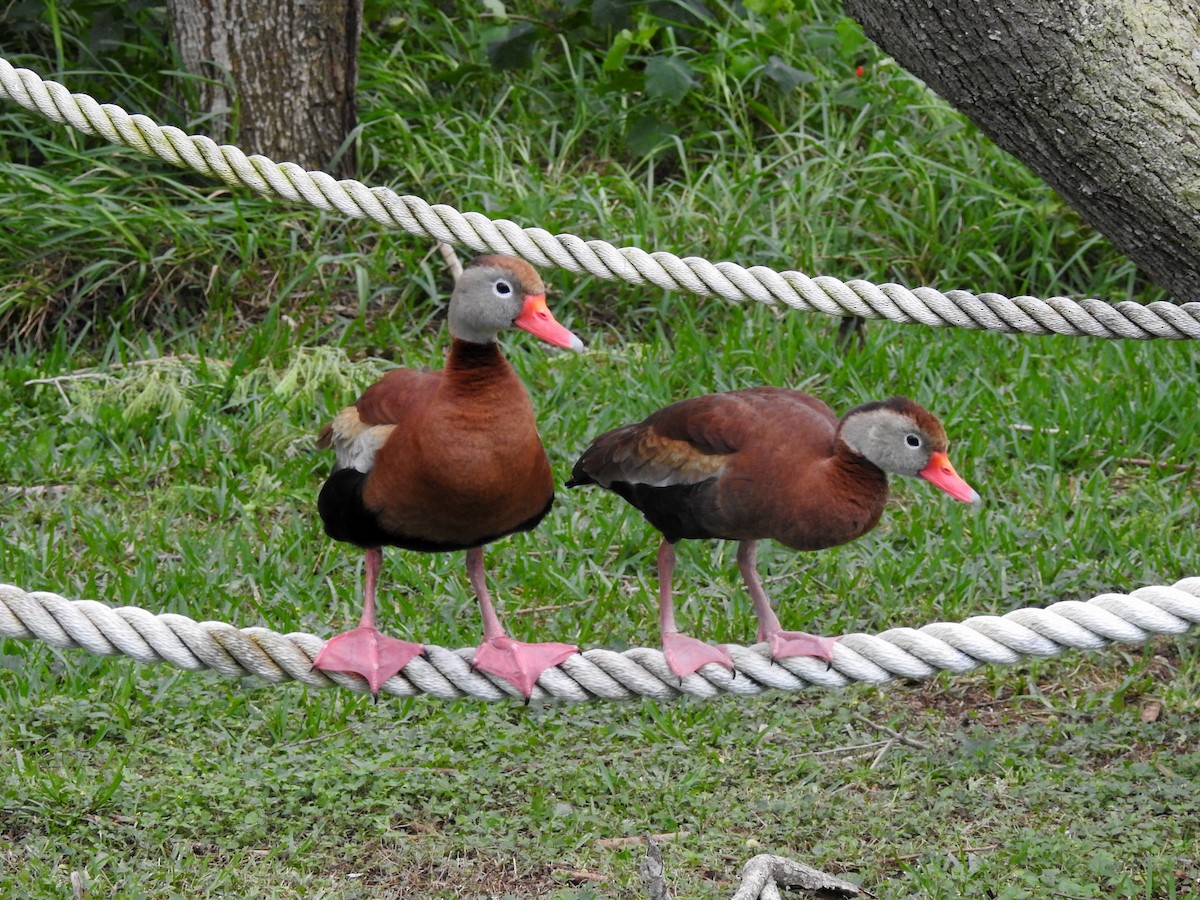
<point x="1100" y="98"/>
<point x="279" y="78"/>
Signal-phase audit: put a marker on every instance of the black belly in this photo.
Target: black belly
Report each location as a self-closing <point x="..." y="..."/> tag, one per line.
<point x="347" y="518"/>
<point x="679" y="511"/>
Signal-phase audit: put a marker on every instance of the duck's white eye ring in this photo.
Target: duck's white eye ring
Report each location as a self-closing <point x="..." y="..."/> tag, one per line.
<point x="912" y="440"/>
<point x="502" y="288"/>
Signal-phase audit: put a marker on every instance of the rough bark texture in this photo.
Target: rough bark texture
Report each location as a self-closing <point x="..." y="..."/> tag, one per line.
<point x="1101" y="98"/>
<point x="280" y="76"/>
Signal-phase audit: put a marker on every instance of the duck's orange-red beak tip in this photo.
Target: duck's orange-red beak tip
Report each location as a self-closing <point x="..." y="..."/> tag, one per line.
<point x="940" y="473"/>
<point x="537" y="319"/>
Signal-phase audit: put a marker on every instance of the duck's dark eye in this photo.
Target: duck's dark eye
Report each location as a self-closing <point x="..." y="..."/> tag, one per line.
<point x="912" y="440"/>
<point x="503" y="288"/>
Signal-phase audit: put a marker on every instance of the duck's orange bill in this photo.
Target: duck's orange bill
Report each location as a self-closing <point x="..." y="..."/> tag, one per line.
<point x="537" y="319"/>
<point x="941" y="475"/>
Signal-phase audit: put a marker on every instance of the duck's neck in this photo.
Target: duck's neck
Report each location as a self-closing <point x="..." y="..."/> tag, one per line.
<point x="467" y="356"/>
<point x="857" y="477"/>
<point x="475" y="367"/>
<point x="858" y="467"/>
<point x="856" y="491"/>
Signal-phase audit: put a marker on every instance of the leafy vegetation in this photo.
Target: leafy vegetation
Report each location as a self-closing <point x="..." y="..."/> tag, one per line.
<point x="171" y="349"/>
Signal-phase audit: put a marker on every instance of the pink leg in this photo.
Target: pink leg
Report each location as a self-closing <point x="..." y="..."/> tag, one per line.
<point x="683" y="654"/>
<point x="516" y="662"/>
<point x="783" y="643"/>
<point x="365" y="651"/>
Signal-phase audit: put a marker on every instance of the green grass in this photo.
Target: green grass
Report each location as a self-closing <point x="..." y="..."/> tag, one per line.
<point x="172" y="351"/>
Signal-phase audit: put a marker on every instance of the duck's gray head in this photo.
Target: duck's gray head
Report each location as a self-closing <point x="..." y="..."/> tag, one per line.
<point x="498" y="292"/>
<point x="899" y="436"/>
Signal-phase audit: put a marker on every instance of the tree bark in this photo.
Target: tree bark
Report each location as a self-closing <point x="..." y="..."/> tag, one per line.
<point x="277" y="78"/>
<point x="1100" y="98"/>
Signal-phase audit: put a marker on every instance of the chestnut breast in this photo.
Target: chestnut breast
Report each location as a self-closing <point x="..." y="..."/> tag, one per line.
<point x="464" y="463"/>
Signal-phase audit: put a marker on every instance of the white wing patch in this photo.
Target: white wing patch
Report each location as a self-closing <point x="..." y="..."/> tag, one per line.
<point x="355" y="443"/>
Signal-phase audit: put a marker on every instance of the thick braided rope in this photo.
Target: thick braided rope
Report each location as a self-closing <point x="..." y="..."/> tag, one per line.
<point x="924" y="305"/>
<point x="605" y="674"/>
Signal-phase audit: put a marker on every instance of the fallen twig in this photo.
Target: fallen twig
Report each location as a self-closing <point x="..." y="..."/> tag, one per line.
<point x="321" y="737"/>
<point x="577" y="876"/>
<point x="849" y="751"/>
<point x="617" y="842"/>
<point x="882" y="751"/>
<point x="907" y="741"/>
<point x="986" y="849"/>
<point x="1144" y="463"/>
<point x="1140" y="461"/>
<point x="553" y="607"/>
<point x="764" y="874"/>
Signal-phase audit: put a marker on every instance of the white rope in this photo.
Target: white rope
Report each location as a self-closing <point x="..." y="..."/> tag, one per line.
<point x="605" y="674"/>
<point x="925" y="305"/>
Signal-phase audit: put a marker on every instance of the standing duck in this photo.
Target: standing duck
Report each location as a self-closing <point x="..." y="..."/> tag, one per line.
<point x="764" y="462"/>
<point x="443" y="461"/>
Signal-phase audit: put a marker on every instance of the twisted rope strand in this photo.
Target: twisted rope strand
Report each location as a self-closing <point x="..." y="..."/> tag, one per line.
<point x="825" y="294"/>
<point x="600" y="674"/>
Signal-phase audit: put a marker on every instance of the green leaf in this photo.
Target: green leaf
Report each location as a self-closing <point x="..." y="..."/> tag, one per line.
<point x="615" y="58"/>
<point x="623" y="81"/>
<point x="787" y="77"/>
<point x="769" y="7"/>
<point x="850" y="36"/>
<point x="514" y="49"/>
<point x="611" y="13"/>
<point x="668" y="78"/>
<point x="647" y="133"/>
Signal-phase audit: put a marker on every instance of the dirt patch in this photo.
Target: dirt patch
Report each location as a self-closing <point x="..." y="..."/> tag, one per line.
<point x="398" y="873"/>
<point x="978" y="699"/>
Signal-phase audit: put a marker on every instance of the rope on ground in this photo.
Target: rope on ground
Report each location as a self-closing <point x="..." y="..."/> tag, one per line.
<point x="825" y="294"/>
<point x="599" y="674"/>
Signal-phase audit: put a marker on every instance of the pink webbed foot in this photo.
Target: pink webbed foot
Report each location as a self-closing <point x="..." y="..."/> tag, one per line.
<point x="367" y="652"/>
<point x="686" y="654"/>
<point x="785" y="644"/>
<point x="519" y="663"/>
